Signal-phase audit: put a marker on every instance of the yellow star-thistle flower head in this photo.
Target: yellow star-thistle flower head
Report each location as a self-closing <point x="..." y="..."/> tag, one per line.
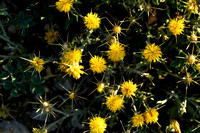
<point x="114" y="103"/>
<point x="152" y="52"/>
<point x="64" y="5"/>
<point x="192" y="59"/>
<point x="92" y="21"/>
<point x="97" y="125"/>
<point x="198" y="67"/>
<point x="176" y="26"/>
<point x="39" y="130"/>
<point x="117" y="29"/>
<point x="192" y="6"/>
<point x="75" y="70"/>
<point x="138" y="120"/>
<point x="116" y="52"/>
<point x="51" y="36"/>
<point x="37" y="63"/>
<point x="97" y="64"/>
<point x="100" y="87"/>
<point x="72" y="56"/>
<point x="151" y="116"/>
<point x="128" y="88"/>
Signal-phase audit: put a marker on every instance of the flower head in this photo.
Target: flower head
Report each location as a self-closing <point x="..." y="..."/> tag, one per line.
<point x="72" y="56"/>
<point x="151" y="116"/>
<point x="117" y="29"/>
<point x="97" y="125"/>
<point x="97" y="64"/>
<point x="152" y="52"/>
<point x="75" y="70"/>
<point x="100" y="87"/>
<point x="128" y="88"/>
<point x="176" y="26"/>
<point x="114" y="102"/>
<point x="37" y="63"/>
<point x="51" y="36"/>
<point x="138" y="120"/>
<point x="92" y="21"/>
<point x="117" y="52"/>
<point x="198" y="67"/>
<point x="192" y="59"/>
<point x="39" y="130"/>
<point x="64" y="5"/>
<point x="192" y="6"/>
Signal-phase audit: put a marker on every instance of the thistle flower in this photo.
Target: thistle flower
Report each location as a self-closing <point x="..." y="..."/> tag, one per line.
<point x="51" y="36"/>
<point x="198" y="67"/>
<point x="37" y="63"/>
<point x="114" y="102"/>
<point x="97" y="64"/>
<point x="100" y="87"/>
<point x="117" y="52"/>
<point x="151" y="116"/>
<point x="97" y="125"/>
<point x="72" y="56"/>
<point x="117" y="29"/>
<point x="192" y="6"/>
<point x="152" y="52"/>
<point x="138" y="120"/>
<point x="128" y="88"/>
<point x="75" y="70"/>
<point x="92" y="21"/>
<point x="176" y="26"/>
<point x="64" y="5"/>
<point x="192" y="59"/>
<point x="39" y="130"/>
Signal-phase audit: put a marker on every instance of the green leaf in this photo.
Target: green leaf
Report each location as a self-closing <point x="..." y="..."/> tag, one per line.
<point x="39" y="81"/>
<point x="10" y="69"/>
<point x="14" y="93"/>
<point x="20" y="86"/>
<point x="7" y="85"/>
<point x="68" y="22"/>
<point x="25" y="22"/>
<point x="4" y="76"/>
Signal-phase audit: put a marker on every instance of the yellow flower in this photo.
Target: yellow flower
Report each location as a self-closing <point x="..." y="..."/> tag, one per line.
<point x="114" y="102"/>
<point x="198" y="66"/>
<point x="151" y="116"/>
<point x="42" y="130"/>
<point x="51" y="36"/>
<point x="100" y="87"/>
<point x="75" y="70"/>
<point x="72" y="56"/>
<point x="97" y="125"/>
<point x="138" y="120"/>
<point x="64" y="5"/>
<point x="37" y="63"/>
<point x="97" y="64"/>
<point x="117" y="29"/>
<point x="176" y="126"/>
<point x="192" y="59"/>
<point x="152" y="52"/>
<point x="128" y="88"/>
<point x="92" y="21"/>
<point x="176" y="26"/>
<point x="192" y="6"/>
<point x="117" y="52"/>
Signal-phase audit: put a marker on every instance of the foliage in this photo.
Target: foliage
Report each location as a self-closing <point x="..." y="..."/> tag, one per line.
<point x="101" y="65"/>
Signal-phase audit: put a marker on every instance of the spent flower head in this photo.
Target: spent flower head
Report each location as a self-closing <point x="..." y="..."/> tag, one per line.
<point x="192" y="6"/>
<point x="51" y="36"/>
